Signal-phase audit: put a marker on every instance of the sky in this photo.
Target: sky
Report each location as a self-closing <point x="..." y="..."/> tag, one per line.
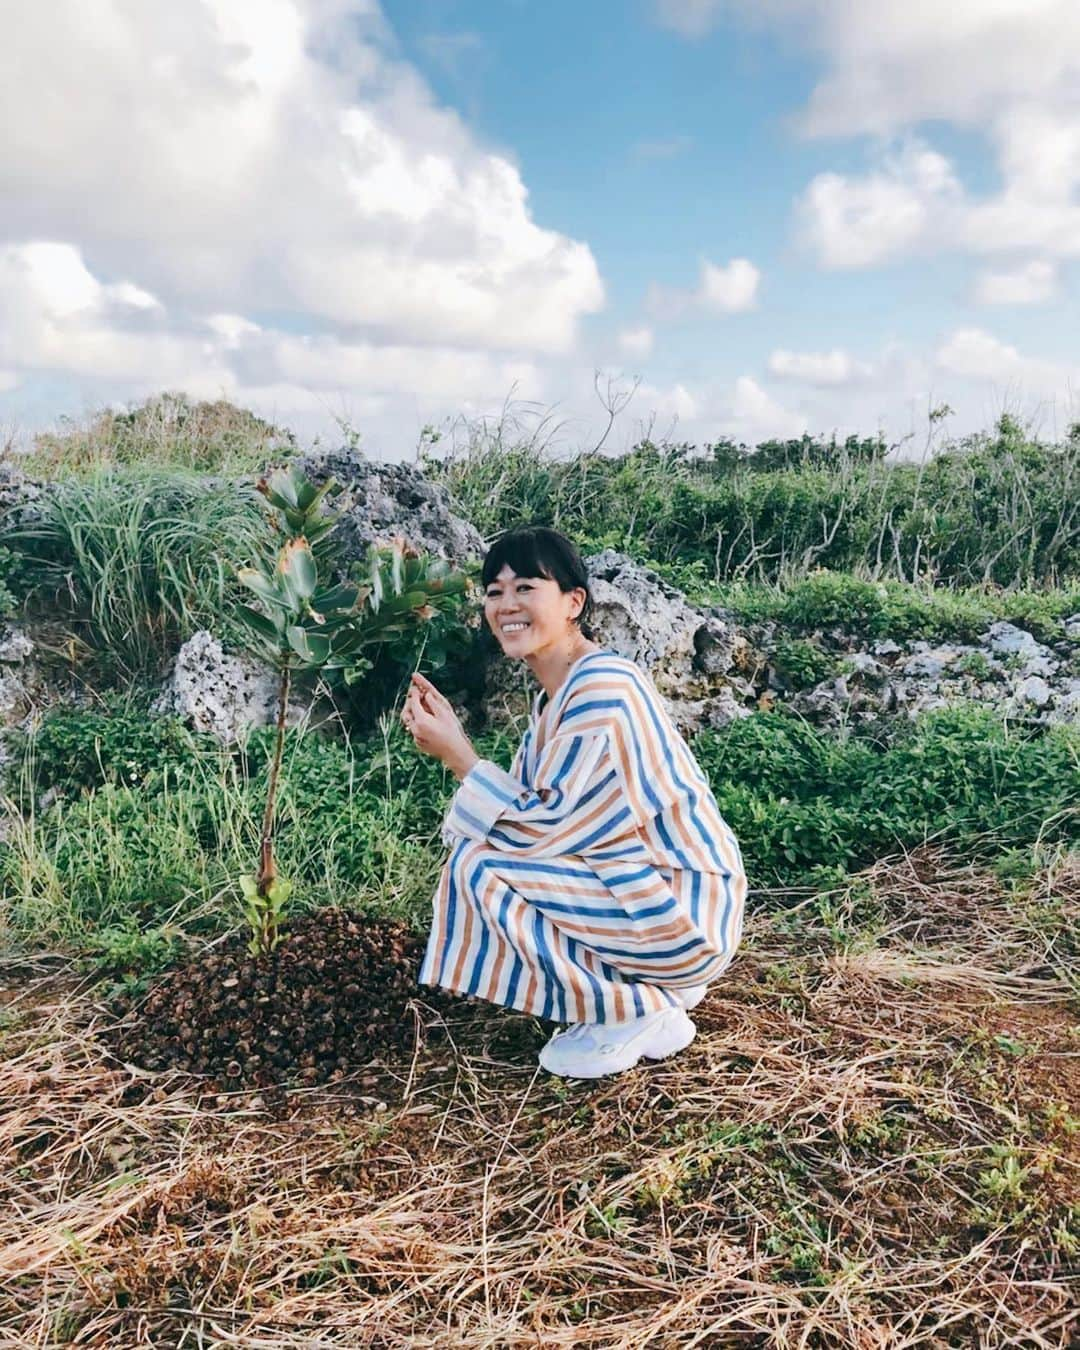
<point x="712" y="218"/>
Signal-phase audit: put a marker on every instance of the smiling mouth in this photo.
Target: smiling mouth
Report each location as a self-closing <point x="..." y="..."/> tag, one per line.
<point x="508" y="630"/>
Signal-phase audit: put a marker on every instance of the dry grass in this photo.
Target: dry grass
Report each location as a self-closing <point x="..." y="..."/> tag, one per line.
<point x="870" y="1144"/>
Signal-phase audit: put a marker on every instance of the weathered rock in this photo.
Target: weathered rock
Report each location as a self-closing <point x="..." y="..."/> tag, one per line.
<point x="644" y="618"/>
<point x="1033" y="689"/>
<point x="219" y="693"/>
<point x="20" y="676"/>
<point x="381" y="501"/>
<point x="866" y="668"/>
<point x="18" y="493"/>
<point x="930" y="665"/>
<point x="1067" y="702"/>
<point x="1008" y="640"/>
<point x="1072" y="626"/>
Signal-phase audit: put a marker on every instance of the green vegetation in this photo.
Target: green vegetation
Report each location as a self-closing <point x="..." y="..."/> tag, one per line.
<point x="306" y="622"/>
<point x="997" y="509"/>
<point x="825" y="600"/>
<point x="799" y="799"/>
<point x="167" y="431"/>
<point x="132" y="551"/>
<point x="874" y="1127"/>
<point x="133" y="561"/>
<point x="154" y="824"/>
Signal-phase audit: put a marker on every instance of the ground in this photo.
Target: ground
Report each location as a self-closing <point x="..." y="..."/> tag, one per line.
<point x="873" y="1142"/>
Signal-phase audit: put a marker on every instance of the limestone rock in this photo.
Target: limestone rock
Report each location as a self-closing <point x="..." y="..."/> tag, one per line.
<point x="644" y="618"/>
<point x="930" y="665"/>
<point x="381" y="501"/>
<point x="20" y="677"/>
<point x="1033" y="689"/>
<point x="220" y="693"/>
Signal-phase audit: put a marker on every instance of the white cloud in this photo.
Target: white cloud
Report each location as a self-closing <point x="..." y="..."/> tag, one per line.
<point x="856" y="222"/>
<point x="741" y="408"/>
<point x="895" y="63"/>
<point x="1009" y="69"/>
<point x="1031" y="284"/>
<point x="636" y="341"/>
<point x="728" y="289"/>
<point x="827" y="369"/>
<point x="55" y="316"/>
<point x="974" y="354"/>
<point x="758" y="416"/>
<point x="280" y="160"/>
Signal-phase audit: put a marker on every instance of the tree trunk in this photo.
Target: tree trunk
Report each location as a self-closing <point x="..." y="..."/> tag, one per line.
<point x="267" y="870"/>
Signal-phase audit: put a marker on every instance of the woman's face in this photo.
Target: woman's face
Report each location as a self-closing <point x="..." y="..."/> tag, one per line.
<point x="528" y="614"/>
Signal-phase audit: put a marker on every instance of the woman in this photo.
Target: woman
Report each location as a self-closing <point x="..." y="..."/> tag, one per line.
<point x="596" y="883"/>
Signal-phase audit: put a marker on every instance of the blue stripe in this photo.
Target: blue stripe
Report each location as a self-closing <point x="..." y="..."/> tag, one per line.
<point x="460" y="813"/>
<point x="657" y="954"/>
<point x="542" y="953"/>
<point x="618" y="912"/>
<point x="451" y="909"/>
<point x="481" y="957"/>
<point x="597" y="987"/>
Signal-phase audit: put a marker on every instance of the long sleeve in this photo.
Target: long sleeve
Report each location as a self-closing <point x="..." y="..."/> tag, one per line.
<point x="570" y="767"/>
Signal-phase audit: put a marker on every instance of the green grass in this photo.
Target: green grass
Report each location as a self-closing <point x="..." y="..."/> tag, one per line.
<point x="154" y="826"/>
<point x="135" y="560"/>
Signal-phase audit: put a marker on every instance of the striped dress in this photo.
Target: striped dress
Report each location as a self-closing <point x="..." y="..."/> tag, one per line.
<point x="596" y="875"/>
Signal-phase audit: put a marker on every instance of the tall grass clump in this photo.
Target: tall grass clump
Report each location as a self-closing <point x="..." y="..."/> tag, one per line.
<point x="134" y="560"/>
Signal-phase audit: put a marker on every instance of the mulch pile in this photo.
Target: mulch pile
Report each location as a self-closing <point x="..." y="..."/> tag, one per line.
<point x="330" y="999"/>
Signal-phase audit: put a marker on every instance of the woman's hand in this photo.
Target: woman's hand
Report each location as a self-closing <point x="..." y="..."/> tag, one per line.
<point x="435" y="728"/>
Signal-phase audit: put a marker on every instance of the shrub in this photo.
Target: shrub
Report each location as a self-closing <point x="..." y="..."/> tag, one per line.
<point x="167" y="430"/>
<point x="995" y="509"/>
<point x="74" y="750"/>
<point x="798" y="798"/>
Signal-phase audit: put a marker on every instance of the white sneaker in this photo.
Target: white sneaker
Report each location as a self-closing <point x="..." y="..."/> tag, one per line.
<point x="691" y="995"/>
<point x="594" y="1049"/>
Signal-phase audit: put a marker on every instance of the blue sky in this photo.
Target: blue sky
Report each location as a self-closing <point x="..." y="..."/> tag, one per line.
<point x="788" y="215"/>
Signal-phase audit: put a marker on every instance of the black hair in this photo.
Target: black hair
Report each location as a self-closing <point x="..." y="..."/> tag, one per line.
<point x="540" y="551"/>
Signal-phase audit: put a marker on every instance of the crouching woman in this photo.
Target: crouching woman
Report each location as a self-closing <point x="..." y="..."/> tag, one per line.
<point x="594" y="884"/>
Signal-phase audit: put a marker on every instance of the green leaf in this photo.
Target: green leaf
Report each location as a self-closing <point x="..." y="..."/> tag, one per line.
<point x="377" y="588"/>
<point x="270" y="628"/>
<point x="282" y="485"/>
<point x="280" y="890"/>
<point x="263" y="587"/>
<point x="310" y="647"/>
<point x="343" y="596"/>
<point x="297" y="566"/>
